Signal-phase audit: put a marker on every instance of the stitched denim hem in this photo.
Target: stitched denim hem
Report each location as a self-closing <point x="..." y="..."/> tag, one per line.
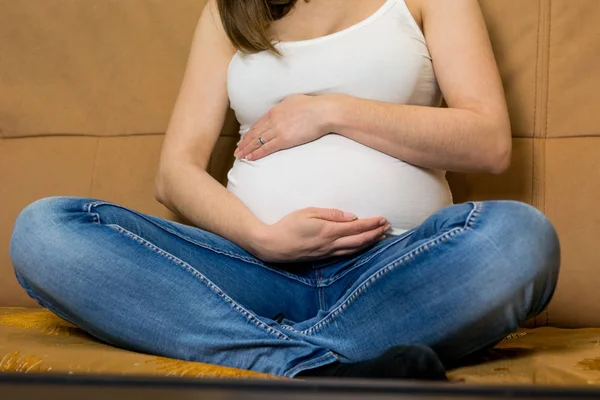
<point x="96" y="218"/>
<point x="250" y="317"/>
<point x="338" y="311"/>
<point x="325" y="359"/>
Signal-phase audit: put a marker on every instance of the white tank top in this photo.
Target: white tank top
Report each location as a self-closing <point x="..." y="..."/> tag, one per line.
<point x="385" y="58"/>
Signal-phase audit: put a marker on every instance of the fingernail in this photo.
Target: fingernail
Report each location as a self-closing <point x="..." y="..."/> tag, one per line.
<point x="249" y="157"/>
<point x="387" y="227"/>
<point x="382" y="221"/>
<point x="350" y="215"/>
<point x="382" y="237"/>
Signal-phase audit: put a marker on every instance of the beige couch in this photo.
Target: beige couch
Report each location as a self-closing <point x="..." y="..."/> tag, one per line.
<point x="86" y="88"/>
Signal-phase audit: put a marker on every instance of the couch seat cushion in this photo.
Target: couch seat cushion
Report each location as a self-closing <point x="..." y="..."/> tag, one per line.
<point x="35" y="340"/>
<point x="545" y="355"/>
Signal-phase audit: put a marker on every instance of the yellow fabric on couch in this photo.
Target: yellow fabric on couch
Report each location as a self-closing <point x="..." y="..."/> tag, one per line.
<point x="38" y="341"/>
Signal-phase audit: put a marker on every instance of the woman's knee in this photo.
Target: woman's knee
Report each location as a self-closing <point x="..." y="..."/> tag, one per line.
<point x="513" y="228"/>
<point x="37" y="228"/>
<point x="522" y="230"/>
<point x="527" y="239"/>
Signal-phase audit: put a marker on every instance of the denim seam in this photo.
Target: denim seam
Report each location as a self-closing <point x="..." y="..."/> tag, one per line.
<point x="469" y="223"/>
<point x="332" y="280"/>
<point x="323" y="299"/>
<point x="204" y="245"/>
<point x="214" y="288"/>
<point x="321" y="291"/>
<point x="95" y="216"/>
<point x="473" y="216"/>
<point x="308" y="282"/>
<point x="309" y="363"/>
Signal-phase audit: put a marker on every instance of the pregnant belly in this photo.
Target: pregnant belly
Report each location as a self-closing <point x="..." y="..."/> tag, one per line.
<point x="336" y="172"/>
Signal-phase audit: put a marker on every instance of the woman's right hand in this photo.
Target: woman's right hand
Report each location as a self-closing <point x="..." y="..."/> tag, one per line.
<point x="314" y="233"/>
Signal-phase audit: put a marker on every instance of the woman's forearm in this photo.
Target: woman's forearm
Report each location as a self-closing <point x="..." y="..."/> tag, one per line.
<point x="189" y="191"/>
<point x="438" y="138"/>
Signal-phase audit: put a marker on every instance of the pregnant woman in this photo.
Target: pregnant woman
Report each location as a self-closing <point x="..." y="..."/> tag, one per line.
<point x="335" y="249"/>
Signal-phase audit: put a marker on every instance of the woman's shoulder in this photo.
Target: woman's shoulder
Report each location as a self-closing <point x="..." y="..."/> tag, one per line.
<point x="416" y="9"/>
<point x="210" y="25"/>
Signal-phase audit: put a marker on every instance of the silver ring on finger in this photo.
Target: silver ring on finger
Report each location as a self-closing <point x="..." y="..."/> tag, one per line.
<point x="262" y="142"/>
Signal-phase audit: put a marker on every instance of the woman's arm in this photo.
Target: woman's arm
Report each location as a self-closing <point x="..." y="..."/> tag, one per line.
<point x="473" y="134"/>
<point x="182" y="183"/>
<point x="184" y="186"/>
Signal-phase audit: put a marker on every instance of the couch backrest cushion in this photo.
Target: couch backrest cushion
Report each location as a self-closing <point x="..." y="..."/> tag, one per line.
<point x="86" y="89"/>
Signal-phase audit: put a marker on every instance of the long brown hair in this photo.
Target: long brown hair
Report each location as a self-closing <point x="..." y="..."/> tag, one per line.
<point x="247" y="22"/>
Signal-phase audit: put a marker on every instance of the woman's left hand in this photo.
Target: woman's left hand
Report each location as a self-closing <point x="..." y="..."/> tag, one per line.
<point x="298" y="119"/>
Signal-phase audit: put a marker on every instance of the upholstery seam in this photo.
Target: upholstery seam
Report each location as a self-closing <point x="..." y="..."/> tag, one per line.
<point x="209" y="284"/>
<point x="470" y="221"/>
<point x="536" y="76"/>
<point x="307" y="282"/>
<point x="29" y="135"/>
<point x="535" y="99"/>
<point x="547" y="85"/>
<point x="541" y="193"/>
<point x="95" y="166"/>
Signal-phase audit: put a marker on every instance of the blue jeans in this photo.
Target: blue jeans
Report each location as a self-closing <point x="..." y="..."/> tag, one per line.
<point x="460" y="282"/>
